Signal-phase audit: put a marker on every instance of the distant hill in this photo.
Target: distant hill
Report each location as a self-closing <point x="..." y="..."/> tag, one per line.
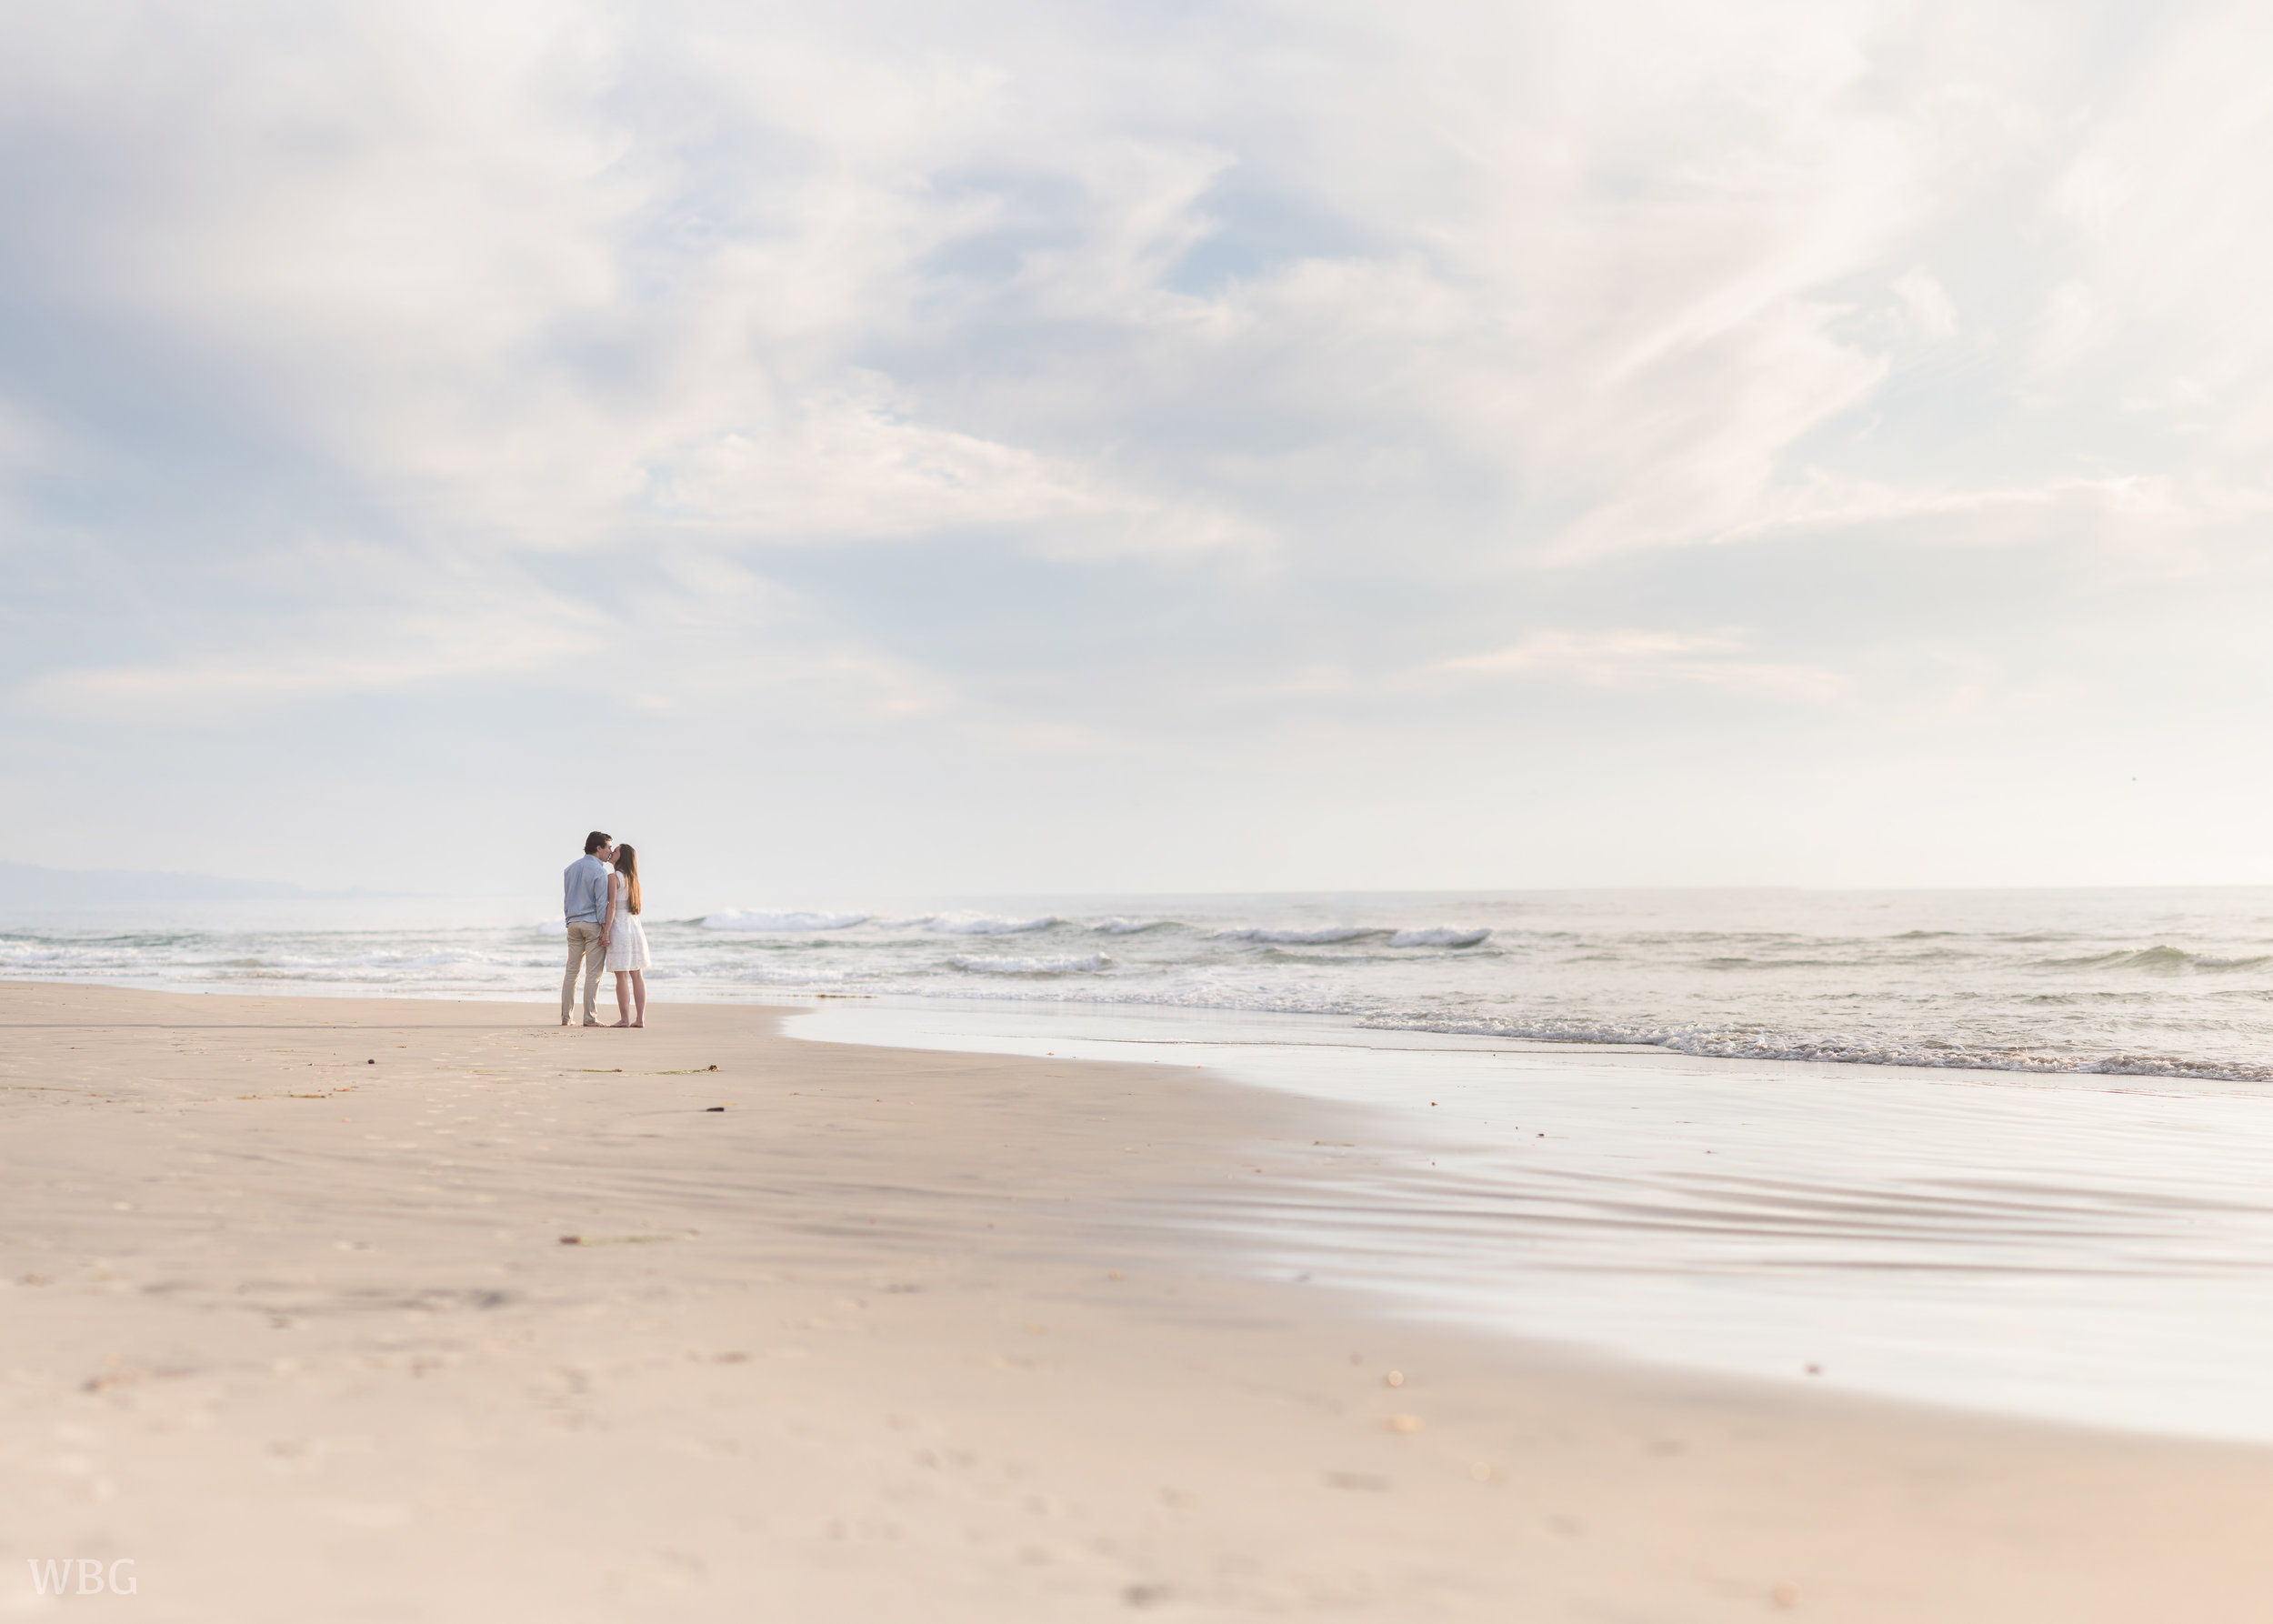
<point x="20" y="883"/>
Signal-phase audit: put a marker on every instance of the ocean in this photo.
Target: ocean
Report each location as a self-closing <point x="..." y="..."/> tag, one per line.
<point x="2149" y="983"/>
<point x="2007" y="1150"/>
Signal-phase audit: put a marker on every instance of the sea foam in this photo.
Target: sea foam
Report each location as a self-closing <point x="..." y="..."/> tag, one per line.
<point x="1066" y="965"/>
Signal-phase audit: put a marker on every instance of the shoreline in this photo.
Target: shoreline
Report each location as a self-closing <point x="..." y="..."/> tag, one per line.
<point x="297" y="1334"/>
<point x="2125" y="983"/>
<point x="2102" y="1073"/>
<point x="2002" y="1244"/>
<point x="2053" y="1273"/>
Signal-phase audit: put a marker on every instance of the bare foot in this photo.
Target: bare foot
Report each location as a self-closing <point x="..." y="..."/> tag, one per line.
<point x="640" y="1023"/>
<point x="613" y="1025"/>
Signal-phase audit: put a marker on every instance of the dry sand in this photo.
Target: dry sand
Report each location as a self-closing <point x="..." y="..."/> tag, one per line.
<point x="894" y="1337"/>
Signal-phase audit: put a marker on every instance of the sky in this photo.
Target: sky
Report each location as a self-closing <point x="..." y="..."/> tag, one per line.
<point x="878" y="447"/>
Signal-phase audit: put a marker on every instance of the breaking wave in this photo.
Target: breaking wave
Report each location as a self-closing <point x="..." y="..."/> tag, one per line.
<point x="760" y="919"/>
<point x="1306" y="939"/>
<point x="979" y="924"/>
<point x="2163" y="961"/>
<point x="1432" y="935"/>
<point x="1440" y="936"/>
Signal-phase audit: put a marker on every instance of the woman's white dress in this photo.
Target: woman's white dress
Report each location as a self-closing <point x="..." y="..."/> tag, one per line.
<point x="627" y="943"/>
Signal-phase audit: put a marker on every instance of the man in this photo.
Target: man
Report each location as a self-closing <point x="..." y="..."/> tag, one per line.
<point x="584" y="898"/>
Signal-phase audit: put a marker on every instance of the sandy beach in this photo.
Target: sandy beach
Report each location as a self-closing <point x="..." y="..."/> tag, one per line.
<point x="362" y="1309"/>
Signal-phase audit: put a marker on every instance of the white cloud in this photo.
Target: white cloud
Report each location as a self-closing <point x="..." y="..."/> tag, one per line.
<point x="1626" y="658"/>
<point x="1032" y="381"/>
<point x="678" y="629"/>
<point x="1926" y="302"/>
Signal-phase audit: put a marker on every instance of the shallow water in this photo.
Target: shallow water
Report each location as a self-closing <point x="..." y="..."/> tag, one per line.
<point x="2075" y="1247"/>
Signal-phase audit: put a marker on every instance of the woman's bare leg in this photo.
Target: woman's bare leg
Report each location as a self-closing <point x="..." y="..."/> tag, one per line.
<point x="623" y="999"/>
<point x="639" y="992"/>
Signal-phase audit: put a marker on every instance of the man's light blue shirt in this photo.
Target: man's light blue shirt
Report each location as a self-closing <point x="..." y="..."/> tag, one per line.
<point x="583" y="890"/>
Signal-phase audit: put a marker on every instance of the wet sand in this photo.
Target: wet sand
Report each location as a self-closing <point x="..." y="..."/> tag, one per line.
<point x="288" y="1323"/>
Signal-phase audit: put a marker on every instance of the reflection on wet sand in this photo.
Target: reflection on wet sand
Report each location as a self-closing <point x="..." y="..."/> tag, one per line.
<point x="2075" y="1246"/>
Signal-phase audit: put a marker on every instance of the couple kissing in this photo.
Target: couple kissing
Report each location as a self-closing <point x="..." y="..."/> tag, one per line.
<point x="600" y="897"/>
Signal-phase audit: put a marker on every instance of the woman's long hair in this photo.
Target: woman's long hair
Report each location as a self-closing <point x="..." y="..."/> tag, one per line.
<point x="627" y="865"/>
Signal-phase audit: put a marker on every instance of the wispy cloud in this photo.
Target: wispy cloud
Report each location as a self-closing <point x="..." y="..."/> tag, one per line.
<point x="876" y="379"/>
<point x="1633" y="659"/>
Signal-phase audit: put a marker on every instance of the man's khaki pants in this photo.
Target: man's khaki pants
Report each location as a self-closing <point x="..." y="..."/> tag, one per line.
<point x="583" y="946"/>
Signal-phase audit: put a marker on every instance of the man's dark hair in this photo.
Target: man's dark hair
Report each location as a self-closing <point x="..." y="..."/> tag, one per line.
<point x="593" y="842"/>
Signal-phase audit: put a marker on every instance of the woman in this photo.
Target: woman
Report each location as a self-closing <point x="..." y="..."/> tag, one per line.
<point x="623" y="941"/>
